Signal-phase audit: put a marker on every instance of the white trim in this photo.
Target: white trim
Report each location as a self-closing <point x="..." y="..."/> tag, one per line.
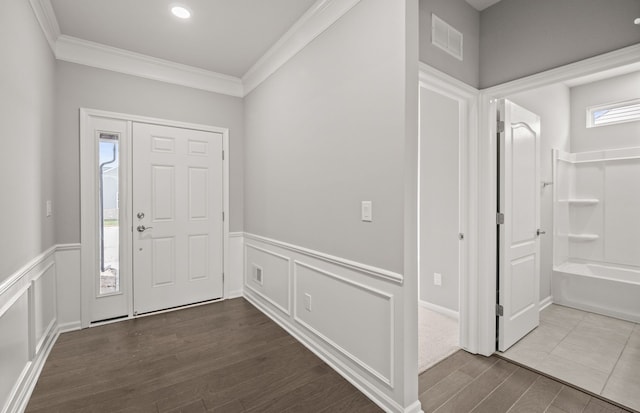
<point x="439" y="309"/>
<point x="234" y="294"/>
<point x="487" y="174"/>
<point x="467" y="96"/>
<point x="314" y="22"/>
<point x="622" y="57"/>
<point x="236" y="234"/>
<point x="15" y="287"/>
<point x="389" y="297"/>
<point x="84" y="52"/>
<point x="88" y="186"/>
<point x="352" y="265"/>
<point x="373" y="393"/>
<point x="67" y="327"/>
<point x="287" y="310"/>
<point x="19" y="274"/>
<point x="47" y="20"/>
<point x="68" y="247"/>
<point x="29" y="378"/>
<point x="545" y="302"/>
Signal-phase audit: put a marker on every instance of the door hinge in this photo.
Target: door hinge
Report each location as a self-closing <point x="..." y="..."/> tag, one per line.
<point x="499" y="310"/>
<point x="223" y="215"/>
<point x="500" y="218"/>
<point x="223" y="155"/>
<point x="500" y="126"/>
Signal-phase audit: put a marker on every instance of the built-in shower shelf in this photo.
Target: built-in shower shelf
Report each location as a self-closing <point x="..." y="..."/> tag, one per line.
<point x="583" y="237"/>
<point x="581" y="201"/>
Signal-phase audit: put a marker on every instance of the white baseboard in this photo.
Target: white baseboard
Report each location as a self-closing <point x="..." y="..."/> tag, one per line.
<point x="67" y="327"/>
<point x="234" y="294"/>
<point x="439" y="309"/>
<point x="414" y="408"/>
<point x="546" y="302"/>
<point x="27" y="382"/>
<point x="379" y="398"/>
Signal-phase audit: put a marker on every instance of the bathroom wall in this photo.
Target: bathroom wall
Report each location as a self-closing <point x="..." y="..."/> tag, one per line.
<point x="552" y="104"/>
<point x="622" y="135"/>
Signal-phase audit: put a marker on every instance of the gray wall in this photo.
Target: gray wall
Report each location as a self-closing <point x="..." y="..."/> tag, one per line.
<point x="82" y="86"/>
<point x="466" y="19"/>
<point x="26" y="164"/>
<point x="439" y="201"/>
<point x="552" y="104"/>
<point x="523" y="37"/>
<point x="622" y="135"/>
<point x="325" y="132"/>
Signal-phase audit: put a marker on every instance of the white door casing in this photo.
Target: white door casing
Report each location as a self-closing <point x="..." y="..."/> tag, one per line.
<point x="94" y="309"/>
<point x="466" y="96"/>
<point x="519" y="244"/>
<point x="177" y="190"/>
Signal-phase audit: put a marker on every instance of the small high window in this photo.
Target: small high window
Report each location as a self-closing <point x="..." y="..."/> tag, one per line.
<point x="612" y="113"/>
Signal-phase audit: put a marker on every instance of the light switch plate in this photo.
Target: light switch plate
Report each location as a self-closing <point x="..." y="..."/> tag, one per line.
<point x="367" y="211"/>
<point x="437" y="278"/>
<point x="49" y="208"/>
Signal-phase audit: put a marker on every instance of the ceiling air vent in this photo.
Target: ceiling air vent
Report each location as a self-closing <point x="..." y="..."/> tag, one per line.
<point x="444" y="36"/>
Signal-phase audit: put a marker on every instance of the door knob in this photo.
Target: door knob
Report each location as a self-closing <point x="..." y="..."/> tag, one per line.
<point x="539" y="232"/>
<point x="142" y="228"/>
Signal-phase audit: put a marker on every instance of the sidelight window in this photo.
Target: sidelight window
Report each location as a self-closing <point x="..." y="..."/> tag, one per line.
<point x="109" y="222"/>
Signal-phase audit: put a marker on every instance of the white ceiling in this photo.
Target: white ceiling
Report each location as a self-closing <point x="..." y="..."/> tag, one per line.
<point x="482" y="4"/>
<point x="224" y="36"/>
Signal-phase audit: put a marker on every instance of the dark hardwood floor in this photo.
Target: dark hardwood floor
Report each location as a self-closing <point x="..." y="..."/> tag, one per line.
<point x="221" y="357"/>
<point x="228" y="357"/>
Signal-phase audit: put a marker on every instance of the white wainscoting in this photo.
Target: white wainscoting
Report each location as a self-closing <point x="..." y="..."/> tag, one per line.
<point x="28" y="327"/>
<point x="351" y="323"/>
<point x="233" y="278"/>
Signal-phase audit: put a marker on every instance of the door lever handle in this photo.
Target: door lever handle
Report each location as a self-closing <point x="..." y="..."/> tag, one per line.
<point x="142" y="228"/>
<point x="539" y="232"/>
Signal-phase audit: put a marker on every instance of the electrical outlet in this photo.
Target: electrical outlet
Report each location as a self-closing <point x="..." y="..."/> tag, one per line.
<point x="437" y="278"/>
<point x="307" y="301"/>
<point x="257" y="274"/>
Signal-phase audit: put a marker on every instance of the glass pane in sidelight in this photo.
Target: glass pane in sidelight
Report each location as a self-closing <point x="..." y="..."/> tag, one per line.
<point x="109" y="233"/>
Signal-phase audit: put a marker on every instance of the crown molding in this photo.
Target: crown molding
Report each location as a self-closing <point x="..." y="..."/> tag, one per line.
<point x="587" y="67"/>
<point x="47" y="20"/>
<point x="316" y="20"/>
<point x="74" y="50"/>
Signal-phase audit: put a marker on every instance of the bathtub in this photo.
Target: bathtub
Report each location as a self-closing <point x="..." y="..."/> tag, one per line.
<point x="599" y="288"/>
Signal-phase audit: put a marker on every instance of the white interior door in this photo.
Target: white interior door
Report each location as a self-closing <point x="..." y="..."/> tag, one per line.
<point x="519" y="245"/>
<point x="177" y="222"/>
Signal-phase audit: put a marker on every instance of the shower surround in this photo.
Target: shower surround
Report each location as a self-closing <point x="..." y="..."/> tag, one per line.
<point x="597" y="232"/>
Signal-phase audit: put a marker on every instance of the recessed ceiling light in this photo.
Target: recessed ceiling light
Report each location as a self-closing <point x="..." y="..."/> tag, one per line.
<point x="180" y="11"/>
<point x="637" y="21"/>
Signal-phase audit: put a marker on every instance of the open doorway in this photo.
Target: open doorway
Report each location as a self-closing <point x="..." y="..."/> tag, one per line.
<point x="443" y="211"/>
<point x="588" y="331"/>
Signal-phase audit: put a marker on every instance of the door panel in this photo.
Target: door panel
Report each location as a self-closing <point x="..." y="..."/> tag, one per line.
<point x="178" y="241"/>
<point x="519" y="249"/>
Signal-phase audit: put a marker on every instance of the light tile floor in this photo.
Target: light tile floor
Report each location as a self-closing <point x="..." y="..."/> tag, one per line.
<point x="600" y="354"/>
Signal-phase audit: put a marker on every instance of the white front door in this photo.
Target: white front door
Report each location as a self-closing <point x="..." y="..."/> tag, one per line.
<point x="177" y="217"/>
<point x="519" y="245"/>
